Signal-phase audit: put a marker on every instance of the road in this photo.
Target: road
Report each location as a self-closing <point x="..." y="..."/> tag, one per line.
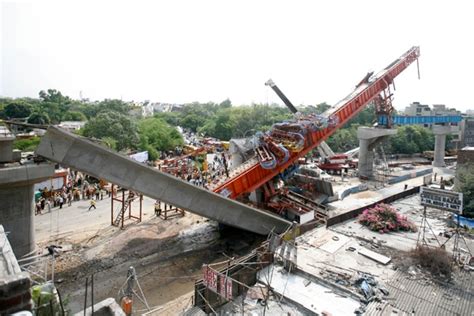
<point x="76" y="222"/>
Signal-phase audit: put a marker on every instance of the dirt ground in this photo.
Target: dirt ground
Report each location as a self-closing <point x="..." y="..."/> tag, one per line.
<point x="167" y="256"/>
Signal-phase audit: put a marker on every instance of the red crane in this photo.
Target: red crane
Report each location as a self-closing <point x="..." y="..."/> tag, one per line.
<point x="251" y="175"/>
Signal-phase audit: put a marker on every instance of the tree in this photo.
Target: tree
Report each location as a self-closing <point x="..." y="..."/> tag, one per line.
<point x="465" y="184"/>
<point x="56" y="102"/>
<point x="74" y="116"/>
<point x="343" y="139"/>
<point x="411" y="139"/>
<point x="17" y="109"/>
<point x="157" y="135"/>
<point x="39" y="118"/>
<point x="53" y="110"/>
<point x="109" y="142"/>
<point x="114" y="125"/>
<point x="225" y="104"/>
<point x="29" y="144"/>
<point x="194" y="115"/>
<point x="365" y="118"/>
<point x="54" y="96"/>
<point x="113" y="105"/>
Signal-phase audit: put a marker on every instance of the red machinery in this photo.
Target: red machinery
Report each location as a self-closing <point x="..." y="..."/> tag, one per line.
<point x="251" y="175"/>
<point x="336" y="164"/>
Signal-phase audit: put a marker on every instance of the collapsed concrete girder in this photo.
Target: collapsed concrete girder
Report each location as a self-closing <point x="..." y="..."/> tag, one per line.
<point x="83" y="155"/>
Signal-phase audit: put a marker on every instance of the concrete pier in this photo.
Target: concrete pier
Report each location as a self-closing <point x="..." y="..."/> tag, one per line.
<point x="440" y="132"/>
<point x="17" y="207"/>
<point x="16" y="194"/>
<point x="369" y="137"/>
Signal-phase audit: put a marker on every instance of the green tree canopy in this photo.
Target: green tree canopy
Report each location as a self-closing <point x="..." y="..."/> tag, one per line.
<point x="39" y="118"/>
<point x="157" y="135"/>
<point x="17" y="109"/>
<point x="29" y="144"/>
<point x="465" y="184"/>
<point x="411" y="139"/>
<point x="114" y="125"/>
<point x="225" y="104"/>
<point x="74" y="116"/>
<point x="114" y="105"/>
<point x="54" y="96"/>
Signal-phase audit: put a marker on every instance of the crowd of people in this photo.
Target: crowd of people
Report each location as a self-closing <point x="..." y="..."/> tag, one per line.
<point x="78" y="187"/>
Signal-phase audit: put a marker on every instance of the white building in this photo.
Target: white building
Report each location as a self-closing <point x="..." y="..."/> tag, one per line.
<point x="72" y="125"/>
<point x="418" y="109"/>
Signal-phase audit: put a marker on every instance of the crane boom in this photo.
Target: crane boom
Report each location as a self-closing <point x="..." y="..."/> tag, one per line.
<point x="250" y="176"/>
<point x="282" y="96"/>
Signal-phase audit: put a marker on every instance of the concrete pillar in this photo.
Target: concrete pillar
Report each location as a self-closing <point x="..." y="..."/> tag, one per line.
<point x="368" y="139"/>
<point x="6" y="144"/>
<point x="440" y="133"/>
<point x="17" y="204"/>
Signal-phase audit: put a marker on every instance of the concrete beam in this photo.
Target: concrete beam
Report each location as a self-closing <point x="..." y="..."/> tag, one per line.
<point x="368" y="139"/>
<point x="81" y="154"/>
<point x="19" y="175"/>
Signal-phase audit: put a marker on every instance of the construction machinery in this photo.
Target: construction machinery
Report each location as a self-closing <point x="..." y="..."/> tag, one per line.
<point x="315" y="129"/>
<point x="279" y="151"/>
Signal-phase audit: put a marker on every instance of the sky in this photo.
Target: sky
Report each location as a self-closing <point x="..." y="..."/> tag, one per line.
<point x="183" y="51"/>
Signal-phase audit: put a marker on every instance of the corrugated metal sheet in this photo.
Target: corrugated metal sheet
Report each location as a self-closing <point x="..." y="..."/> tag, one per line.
<point x="422" y="296"/>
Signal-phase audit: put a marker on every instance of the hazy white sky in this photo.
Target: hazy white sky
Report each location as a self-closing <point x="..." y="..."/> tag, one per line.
<point x="183" y="51"/>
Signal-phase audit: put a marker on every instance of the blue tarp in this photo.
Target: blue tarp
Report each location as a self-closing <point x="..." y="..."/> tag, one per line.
<point x="464" y="221"/>
<point x="412" y="120"/>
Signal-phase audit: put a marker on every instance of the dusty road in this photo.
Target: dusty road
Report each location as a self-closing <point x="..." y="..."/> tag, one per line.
<point x="167" y="255"/>
<point x="77" y="222"/>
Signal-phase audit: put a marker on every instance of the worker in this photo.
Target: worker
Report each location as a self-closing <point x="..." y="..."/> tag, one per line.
<point x="92" y="204"/>
<point x="157" y="208"/>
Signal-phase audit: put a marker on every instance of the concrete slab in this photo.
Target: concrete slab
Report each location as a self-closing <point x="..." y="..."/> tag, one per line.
<point x="315" y="297"/>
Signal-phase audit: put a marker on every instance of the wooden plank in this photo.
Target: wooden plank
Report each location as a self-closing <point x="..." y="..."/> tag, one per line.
<point x="374" y="255"/>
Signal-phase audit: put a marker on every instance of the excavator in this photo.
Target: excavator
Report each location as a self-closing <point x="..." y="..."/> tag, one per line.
<point x="301" y="135"/>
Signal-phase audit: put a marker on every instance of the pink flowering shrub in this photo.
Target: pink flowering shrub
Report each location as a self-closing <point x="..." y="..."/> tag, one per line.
<point x="384" y="218"/>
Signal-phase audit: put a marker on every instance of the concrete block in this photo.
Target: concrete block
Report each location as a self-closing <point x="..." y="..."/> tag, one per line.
<point x="15" y="284"/>
<point x="104" y="308"/>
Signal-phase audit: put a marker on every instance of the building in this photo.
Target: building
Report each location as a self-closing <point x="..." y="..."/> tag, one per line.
<point x="467" y="132"/>
<point x="418" y="109"/>
<point x="72" y="125"/>
<point x="166" y="107"/>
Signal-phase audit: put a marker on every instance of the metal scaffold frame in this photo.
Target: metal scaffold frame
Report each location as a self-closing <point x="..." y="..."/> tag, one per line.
<point x="117" y="218"/>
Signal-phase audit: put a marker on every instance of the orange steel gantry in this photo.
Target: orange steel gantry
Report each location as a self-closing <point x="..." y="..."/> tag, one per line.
<point x="251" y="175"/>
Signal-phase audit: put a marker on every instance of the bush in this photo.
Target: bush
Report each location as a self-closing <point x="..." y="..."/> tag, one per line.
<point x="29" y="144"/>
<point x="384" y="218"/>
<point x="436" y="260"/>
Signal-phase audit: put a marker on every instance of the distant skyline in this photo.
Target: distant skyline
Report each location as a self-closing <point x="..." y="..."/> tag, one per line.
<point x="185" y="51"/>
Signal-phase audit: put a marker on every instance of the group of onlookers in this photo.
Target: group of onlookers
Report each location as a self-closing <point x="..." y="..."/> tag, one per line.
<point x="76" y="189"/>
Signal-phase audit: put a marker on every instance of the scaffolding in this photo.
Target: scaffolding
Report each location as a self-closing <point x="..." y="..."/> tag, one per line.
<point x="124" y="202"/>
<point x="167" y="211"/>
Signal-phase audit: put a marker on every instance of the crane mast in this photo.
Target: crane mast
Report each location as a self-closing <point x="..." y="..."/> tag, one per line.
<point x="251" y="175"/>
